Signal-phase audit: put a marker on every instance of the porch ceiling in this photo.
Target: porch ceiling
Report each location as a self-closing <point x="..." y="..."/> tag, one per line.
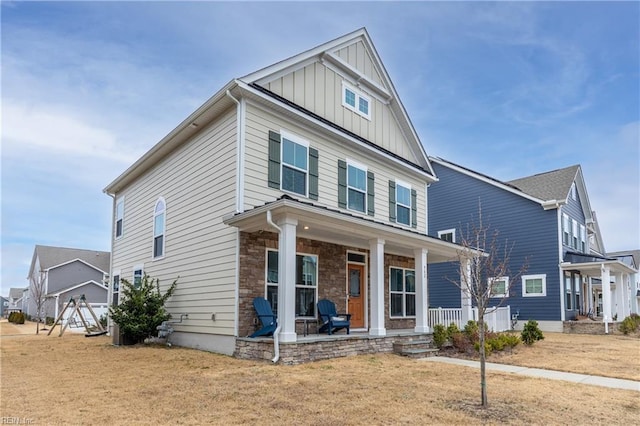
<point x="333" y="226"/>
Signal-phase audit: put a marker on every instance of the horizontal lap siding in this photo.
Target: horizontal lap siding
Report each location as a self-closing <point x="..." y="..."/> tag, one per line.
<point x="523" y="224"/>
<point x="71" y="274"/>
<point x="319" y="89"/>
<point x="197" y="182"/>
<point x="257" y="191"/>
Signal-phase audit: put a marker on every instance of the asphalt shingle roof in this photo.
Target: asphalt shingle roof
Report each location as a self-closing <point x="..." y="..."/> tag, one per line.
<point x="52" y="256"/>
<point x="553" y="185"/>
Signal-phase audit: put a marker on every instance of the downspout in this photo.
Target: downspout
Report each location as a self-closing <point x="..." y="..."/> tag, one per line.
<point x="276" y="346"/>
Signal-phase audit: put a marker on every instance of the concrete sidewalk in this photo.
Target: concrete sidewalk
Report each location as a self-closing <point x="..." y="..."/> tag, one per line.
<point x="544" y="374"/>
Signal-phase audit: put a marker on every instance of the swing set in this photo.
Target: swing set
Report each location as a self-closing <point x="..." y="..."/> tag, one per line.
<point x="78" y="303"/>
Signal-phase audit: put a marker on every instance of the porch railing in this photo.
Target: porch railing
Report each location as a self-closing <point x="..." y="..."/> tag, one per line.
<point x="497" y="319"/>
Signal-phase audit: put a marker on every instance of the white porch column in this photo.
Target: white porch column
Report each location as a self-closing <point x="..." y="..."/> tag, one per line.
<point x="287" y="279"/>
<point x="465" y="297"/>
<point x="624" y="311"/>
<point x="606" y="293"/>
<point x="376" y="247"/>
<point x="422" y="295"/>
<point x="635" y="308"/>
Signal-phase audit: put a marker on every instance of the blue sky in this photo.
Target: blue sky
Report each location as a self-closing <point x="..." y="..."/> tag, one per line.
<point x="508" y="89"/>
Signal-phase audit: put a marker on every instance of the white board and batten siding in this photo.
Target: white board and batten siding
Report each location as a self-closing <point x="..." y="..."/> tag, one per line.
<point x="257" y="192"/>
<point x="197" y="181"/>
<point x="318" y="88"/>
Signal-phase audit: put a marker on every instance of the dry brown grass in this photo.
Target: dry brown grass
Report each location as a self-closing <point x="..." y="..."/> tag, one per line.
<point x="73" y="380"/>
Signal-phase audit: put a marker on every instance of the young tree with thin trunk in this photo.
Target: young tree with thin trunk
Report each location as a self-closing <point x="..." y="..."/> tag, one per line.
<point x="37" y="290"/>
<point x="485" y="275"/>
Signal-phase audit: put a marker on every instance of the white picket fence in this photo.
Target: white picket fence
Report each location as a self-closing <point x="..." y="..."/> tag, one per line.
<point x="497" y="319"/>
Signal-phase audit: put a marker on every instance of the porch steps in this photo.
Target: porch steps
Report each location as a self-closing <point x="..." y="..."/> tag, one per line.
<point x="415" y="349"/>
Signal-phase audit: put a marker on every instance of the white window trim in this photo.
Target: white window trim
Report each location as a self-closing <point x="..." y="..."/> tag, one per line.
<point x="398" y="203"/>
<point x="404" y="293"/>
<point x="359" y="95"/>
<point x="574" y="234"/>
<point x="277" y="284"/>
<point x="118" y="202"/>
<point x="362" y="167"/>
<point x="506" y="286"/>
<point x="583" y="238"/>
<point x="164" y="229"/>
<point x="566" y="229"/>
<point x="118" y="274"/>
<point x="573" y="191"/>
<point x="451" y="231"/>
<point x="543" y="277"/>
<point x="300" y="141"/>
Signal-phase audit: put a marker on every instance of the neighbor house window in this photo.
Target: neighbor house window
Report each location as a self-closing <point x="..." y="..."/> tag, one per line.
<point x="576" y="292"/>
<point x="448" y="235"/>
<point x="115" y="290"/>
<point x="574" y="239"/>
<point x="573" y="191"/>
<point x="356" y="101"/>
<point x="568" y="299"/>
<point x="138" y="272"/>
<point x="294" y="165"/>
<point x="534" y="285"/>
<point x="356" y="187"/>
<point x="306" y="283"/>
<point x="566" y="230"/>
<point x="583" y="239"/>
<point x="119" y="217"/>
<point x="402" y="292"/>
<point x="499" y="286"/>
<point x="159" y="213"/>
<point x="403" y="204"/>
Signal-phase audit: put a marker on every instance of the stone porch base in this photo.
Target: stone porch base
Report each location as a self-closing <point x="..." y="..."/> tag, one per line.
<point x="589" y="327"/>
<point x="319" y="347"/>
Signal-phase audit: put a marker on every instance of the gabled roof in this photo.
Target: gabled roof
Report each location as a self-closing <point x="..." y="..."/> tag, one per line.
<point x="50" y="257"/>
<point x="630" y="257"/>
<point x="327" y="52"/>
<point x="553" y="185"/>
<point x="75" y="286"/>
<point x="15" y="293"/>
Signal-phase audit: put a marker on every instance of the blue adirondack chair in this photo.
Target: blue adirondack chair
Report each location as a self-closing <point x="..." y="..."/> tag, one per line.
<point x="266" y="317"/>
<point x="331" y="320"/>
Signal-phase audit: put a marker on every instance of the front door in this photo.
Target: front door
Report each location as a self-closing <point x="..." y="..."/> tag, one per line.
<point x="356" y="277"/>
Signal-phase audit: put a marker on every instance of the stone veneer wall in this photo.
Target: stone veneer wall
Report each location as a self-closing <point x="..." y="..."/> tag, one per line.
<point x="302" y="352"/>
<point x="332" y="277"/>
<point x="588" y="327"/>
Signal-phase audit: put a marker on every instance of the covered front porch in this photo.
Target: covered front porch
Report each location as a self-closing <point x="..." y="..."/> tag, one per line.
<point x="295" y="253"/>
<point x="599" y="287"/>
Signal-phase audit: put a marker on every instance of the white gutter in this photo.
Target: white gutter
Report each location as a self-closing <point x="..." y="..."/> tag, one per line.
<point x="240" y="149"/>
<point x="109" y="286"/>
<point x="276" y="345"/>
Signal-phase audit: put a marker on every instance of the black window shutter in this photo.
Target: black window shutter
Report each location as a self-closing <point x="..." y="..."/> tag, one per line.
<point x="274" y="160"/>
<point x="414" y="208"/>
<point x="371" y="210"/>
<point x="342" y="184"/>
<point x="313" y="173"/>
<point x="392" y="201"/>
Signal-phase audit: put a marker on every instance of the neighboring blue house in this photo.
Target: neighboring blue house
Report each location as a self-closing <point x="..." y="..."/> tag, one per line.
<point x="4" y="306"/>
<point x="548" y="222"/>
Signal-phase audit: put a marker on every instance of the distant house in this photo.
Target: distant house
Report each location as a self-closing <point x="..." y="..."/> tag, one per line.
<point x="548" y="220"/>
<point x="4" y="306"/>
<point x="302" y="181"/>
<point x="631" y="258"/>
<point x="67" y="272"/>
<point x="15" y="299"/>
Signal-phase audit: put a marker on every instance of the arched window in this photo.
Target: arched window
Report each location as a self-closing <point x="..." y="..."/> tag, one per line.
<point x="159" y="213"/>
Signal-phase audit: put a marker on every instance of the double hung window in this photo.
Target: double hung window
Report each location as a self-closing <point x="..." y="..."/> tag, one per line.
<point x="356" y="187"/>
<point x="294" y="165"/>
<point x="306" y="283"/>
<point x="403" y="204"/>
<point x="119" y="217"/>
<point x="402" y="292"/>
<point x="158" y="228"/>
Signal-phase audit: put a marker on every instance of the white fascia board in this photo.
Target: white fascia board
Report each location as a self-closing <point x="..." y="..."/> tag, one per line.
<point x="497" y="184"/>
<point x="64" y="290"/>
<point x="335" y="132"/>
<point x="584" y="196"/>
<point x="74" y="260"/>
<point x="359" y="78"/>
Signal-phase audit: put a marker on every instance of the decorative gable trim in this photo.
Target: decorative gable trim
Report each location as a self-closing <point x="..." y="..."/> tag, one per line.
<point x="72" y="261"/>
<point x="358" y="78"/>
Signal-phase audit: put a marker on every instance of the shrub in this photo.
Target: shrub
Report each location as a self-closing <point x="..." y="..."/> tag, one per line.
<point x="103" y="320"/>
<point x="11" y="316"/>
<point x="16" y="317"/>
<point x="461" y="342"/>
<point x="439" y="335"/>
<point x="487" y="348"/>
<point x="49" y="320"/>
<point x="630" y="324"/>
<point x="452" y="329"/>
<point x="142" y="309"/>
<point x="531" y="333"/>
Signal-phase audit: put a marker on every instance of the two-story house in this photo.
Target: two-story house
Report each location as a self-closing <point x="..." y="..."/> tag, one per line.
<point x="58" y="273"/>
<point x="547" y="222"/>
<point x="15" y="300"/>
<point x="301" y="181"/>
